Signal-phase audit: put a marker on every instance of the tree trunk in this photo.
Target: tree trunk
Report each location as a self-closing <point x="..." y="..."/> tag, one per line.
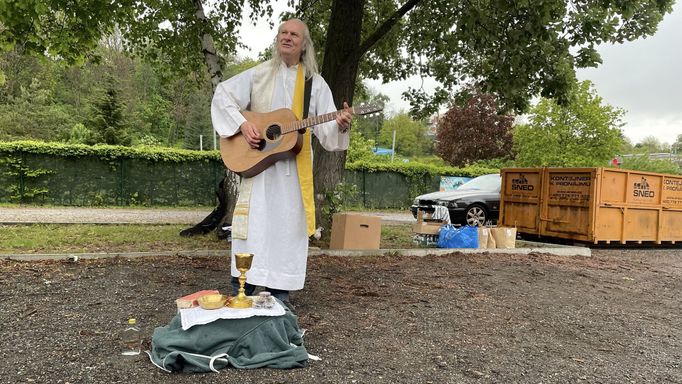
<point x="342" y="56"/>
<point x="339" y="69"/>
<point x="231" y="180"/>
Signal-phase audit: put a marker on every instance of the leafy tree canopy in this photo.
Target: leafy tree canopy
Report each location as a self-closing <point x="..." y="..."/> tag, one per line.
<point x="410" y="136"/>
<point x="651" y="144"/>
<point x="676" y="147"/>
<point x="360" y="148"/>
<point x="583" y="133"/>
<point x="370" y="125"/>
<point x="166" y="32"/>
<point x="43" y="100"/>
<point x="107" y="121"/>
<point x="474" y="132"/>
<point x="514" y="49"/>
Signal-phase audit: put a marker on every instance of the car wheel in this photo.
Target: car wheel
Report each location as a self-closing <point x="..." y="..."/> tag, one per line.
<point x="476" y="215"/>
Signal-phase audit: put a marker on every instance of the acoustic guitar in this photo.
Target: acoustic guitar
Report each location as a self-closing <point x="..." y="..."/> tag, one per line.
<point x="282" y="137"/>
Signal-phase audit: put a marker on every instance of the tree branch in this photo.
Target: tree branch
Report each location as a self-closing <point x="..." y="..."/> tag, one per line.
<point x="383" y="29"/>
<point x="207" y="47"/>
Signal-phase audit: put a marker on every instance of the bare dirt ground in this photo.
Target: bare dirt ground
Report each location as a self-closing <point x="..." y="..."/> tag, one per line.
<point x="475" y="318"/>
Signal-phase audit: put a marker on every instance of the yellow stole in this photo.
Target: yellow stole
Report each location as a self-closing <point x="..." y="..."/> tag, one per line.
<point x="304" y="159"/>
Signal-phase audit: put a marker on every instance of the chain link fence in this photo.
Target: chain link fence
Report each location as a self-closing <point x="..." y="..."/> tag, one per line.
<point x="30" y="178"/>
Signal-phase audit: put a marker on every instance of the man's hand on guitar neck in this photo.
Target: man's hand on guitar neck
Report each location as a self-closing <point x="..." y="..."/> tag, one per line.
<point x="251" y="133"/>
<point x="343" y="118"/>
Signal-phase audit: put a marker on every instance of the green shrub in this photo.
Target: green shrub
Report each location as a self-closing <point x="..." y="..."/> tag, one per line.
<point x="644" y="163"/>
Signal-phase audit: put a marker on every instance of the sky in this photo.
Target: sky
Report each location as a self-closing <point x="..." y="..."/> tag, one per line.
<point x="642" y="77"/>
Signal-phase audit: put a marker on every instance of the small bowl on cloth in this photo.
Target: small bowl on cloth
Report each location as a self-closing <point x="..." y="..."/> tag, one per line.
<point x="212" y="301"/>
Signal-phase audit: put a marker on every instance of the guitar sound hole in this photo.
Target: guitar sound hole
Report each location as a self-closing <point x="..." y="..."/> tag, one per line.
<point x="273" y="132"/>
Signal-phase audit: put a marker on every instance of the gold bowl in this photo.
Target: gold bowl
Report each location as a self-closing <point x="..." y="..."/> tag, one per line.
<point x="212" y="301"/>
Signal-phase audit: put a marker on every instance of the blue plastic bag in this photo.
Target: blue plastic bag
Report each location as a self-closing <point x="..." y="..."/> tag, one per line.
<point x="462" y="237"/>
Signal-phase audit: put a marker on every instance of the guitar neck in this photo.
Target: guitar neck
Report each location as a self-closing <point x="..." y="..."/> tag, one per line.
<point x="315" y="120"/>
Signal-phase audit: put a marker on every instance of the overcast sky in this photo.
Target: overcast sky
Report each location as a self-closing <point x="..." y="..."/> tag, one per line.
<point x="642" y="77"/>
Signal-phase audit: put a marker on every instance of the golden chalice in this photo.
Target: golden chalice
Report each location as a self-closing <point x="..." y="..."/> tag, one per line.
<point x="243" y="262"/>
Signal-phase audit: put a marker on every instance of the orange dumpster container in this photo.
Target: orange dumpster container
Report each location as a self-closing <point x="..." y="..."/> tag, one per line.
<point x="595" y="205"/>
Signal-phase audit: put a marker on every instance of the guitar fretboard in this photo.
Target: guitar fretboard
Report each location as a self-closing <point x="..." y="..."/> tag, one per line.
<point x="315" y="120"/>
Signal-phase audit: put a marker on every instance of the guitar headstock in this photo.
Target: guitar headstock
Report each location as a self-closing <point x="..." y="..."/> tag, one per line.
<point x="367" y="109"/>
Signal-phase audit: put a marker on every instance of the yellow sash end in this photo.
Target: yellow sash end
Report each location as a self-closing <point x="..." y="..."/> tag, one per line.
<point x="304" y="159"/>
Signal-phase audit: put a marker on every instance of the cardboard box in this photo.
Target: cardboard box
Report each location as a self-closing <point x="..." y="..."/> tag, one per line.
<point x="355" y="231"/>
<point x="425" y="225"/>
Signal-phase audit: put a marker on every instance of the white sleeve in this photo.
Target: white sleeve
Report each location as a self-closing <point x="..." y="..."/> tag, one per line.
<point x="321" y="102"/>
<point x="230" y="97"/>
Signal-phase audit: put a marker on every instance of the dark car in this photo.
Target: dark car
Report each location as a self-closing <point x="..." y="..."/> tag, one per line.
<point x="475" y="202"/>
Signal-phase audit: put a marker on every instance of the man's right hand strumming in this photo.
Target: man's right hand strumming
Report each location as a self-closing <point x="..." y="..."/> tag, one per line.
<point x="251" y="133"/>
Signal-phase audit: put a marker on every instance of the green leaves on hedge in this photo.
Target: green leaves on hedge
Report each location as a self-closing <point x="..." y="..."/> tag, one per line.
<point x="108" y="152"/>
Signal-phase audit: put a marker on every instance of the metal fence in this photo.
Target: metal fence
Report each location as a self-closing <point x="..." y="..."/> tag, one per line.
<point x="379" y="190"/>
<point x="85" y="181"/>
<point x="30" y="178"/>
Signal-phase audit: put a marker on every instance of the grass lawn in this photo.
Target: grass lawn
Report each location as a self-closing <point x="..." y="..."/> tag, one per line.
<point x="91" y="238"/>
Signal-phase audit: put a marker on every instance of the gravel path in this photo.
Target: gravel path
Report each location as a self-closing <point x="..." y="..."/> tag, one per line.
<point x="71" y="215"/>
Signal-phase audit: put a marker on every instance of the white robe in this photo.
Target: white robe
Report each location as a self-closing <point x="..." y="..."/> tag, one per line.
<point x="277" y="231"/>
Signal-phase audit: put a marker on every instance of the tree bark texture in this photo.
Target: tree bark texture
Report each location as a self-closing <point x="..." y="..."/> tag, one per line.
<point x="231" y="181"/>
<point x="339" y="69"/>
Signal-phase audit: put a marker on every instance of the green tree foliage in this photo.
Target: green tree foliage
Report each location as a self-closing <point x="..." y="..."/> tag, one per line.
<point x="370" y="125"/>
<point x="154" y="119"/>
<point x="627" y="146"/>
<point x="31" y="110"/>
<point x="106" y="120"/>
<point x="430" y="160"/>
<point x="69" y="30"/>
<point x="514" y="49"/>
<point x="198" y="121"/>
<point x="651" y="144"/>
<point x="584" y="133"/>
<point x="19" y="70"/>
<point x="46" y="100"/>
<point x="644" y="163"/>
<point x="474" y="132"/>
<point x="360" y="149"/>
<point x="676" y="147"/>
<point x="168" y="33"/>
<point x="410" y="136"/>
<point x="79" y="135"/>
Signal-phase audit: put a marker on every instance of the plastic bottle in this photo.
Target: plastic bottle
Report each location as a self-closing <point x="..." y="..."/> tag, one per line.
<point x="131" y="338"/>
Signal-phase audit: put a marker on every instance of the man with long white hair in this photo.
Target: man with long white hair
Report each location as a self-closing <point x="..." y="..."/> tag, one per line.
<point x="275" y="213"/>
